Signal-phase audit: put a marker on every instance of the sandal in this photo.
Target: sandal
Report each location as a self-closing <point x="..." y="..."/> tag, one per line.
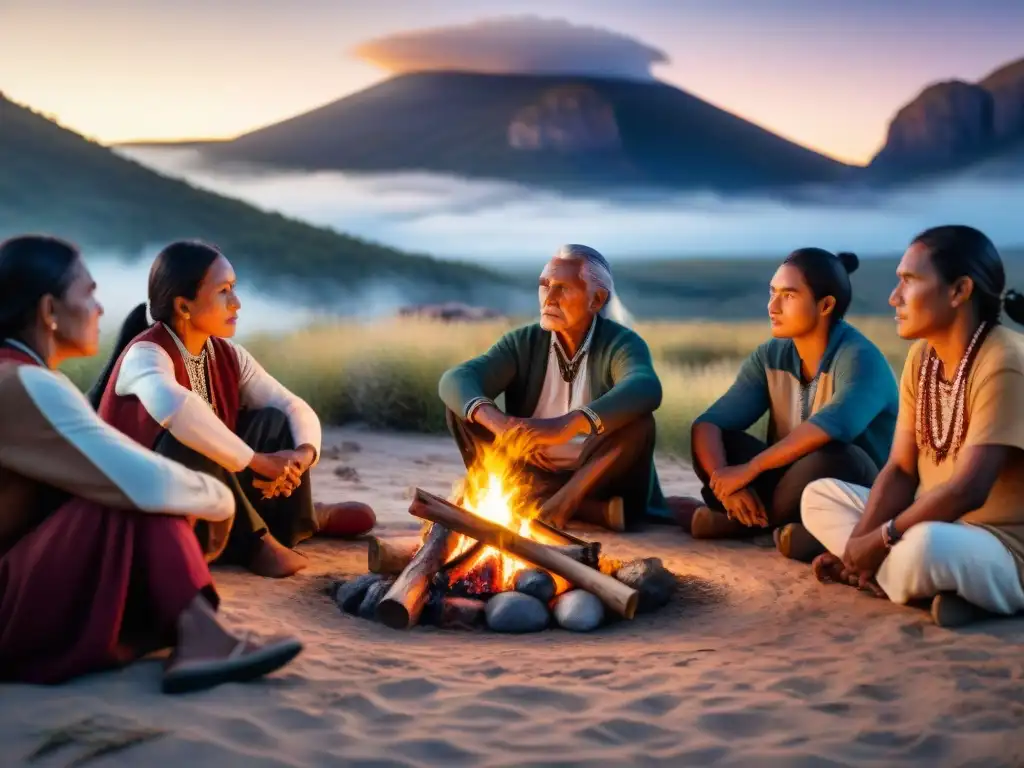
<point x="245" y="662"/>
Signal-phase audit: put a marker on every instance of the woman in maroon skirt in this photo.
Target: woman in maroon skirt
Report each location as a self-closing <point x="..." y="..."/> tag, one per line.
<point x="99" y="564"/>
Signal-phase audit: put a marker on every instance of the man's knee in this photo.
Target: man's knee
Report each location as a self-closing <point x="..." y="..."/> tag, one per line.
<point x="925" y="544"/>
<point x="835" y="459"/>
<point x="818" y="503"/>
<point x="451" y="420"/>
<point x="458" y="427"/>
<point x="640" y="429"/>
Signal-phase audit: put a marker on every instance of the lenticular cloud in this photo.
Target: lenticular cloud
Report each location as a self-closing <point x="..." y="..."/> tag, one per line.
<point x="515" y="45"/>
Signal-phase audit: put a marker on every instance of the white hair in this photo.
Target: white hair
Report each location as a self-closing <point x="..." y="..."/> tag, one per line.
<point x="597" y="274"/>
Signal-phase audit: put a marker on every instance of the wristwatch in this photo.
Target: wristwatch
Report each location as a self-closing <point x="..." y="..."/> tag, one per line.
<point x="889" y="534"/>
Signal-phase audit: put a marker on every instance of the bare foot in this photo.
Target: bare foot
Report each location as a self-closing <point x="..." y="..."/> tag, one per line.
<point x="274" y="560"/>
<point x="829" y="568"/>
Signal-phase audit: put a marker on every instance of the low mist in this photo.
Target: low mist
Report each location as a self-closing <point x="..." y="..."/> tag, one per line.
<point x="122" y="285"/>
<point x="502" y="224"/>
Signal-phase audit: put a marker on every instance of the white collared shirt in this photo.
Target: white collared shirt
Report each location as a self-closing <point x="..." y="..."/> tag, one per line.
<point x="558" y="397"/>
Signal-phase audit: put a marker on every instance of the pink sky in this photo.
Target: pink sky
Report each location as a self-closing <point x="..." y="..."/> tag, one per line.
<point x="826" y="74"/>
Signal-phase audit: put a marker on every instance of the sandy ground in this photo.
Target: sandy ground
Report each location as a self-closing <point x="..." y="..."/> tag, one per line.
<point x="774" y="670"/>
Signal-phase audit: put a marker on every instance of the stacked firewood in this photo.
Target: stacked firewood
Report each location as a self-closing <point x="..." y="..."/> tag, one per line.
<point x="408" y="582"/>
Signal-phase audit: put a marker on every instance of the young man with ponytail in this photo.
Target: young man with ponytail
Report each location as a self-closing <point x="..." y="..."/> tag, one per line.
<point x="580" y="392"/>
<point x="831" y="400"/>
<point x="944" y="521"/>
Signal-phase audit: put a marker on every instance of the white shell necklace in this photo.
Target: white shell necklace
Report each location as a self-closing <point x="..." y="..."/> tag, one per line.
<point x="941" y="418"/>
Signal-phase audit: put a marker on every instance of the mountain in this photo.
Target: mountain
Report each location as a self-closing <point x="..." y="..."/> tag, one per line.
<point x="954" y="124"/>
<point x="54" y="180"/>
<point x="560" y="131"/>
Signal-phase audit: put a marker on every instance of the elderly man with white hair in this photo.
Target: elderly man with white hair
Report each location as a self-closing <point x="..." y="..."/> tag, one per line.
<point x="580" y="392"/>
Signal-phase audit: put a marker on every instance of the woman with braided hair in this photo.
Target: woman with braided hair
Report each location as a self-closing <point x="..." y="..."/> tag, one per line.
<point x="944" y="521"/>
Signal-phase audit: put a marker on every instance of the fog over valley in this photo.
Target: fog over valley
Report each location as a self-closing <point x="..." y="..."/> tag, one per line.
<point x="507" y="225"/>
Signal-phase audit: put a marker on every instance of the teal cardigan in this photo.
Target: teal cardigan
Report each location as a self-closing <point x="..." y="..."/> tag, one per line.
<point x="622" y="381"/>
<point x="853" y="398"/>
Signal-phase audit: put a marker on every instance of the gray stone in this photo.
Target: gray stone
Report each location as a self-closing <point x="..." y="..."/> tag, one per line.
<point x="351" y="593"/>
<point x="373" y="596"/>
<point x="515" y="612"/>
<point x="651" y="580"/>
<point x="654" y="583"/>
<point x="579" y="611"/>
<point x="536" y="583"/>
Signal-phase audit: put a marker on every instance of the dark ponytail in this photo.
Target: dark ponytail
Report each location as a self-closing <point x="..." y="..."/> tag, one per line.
<point x="959" y="251"/>
<point x="827" y="274"/>
<point x="31" y="267"/>
<point x="1013" y="306"/>
<point x="132" y="326"/>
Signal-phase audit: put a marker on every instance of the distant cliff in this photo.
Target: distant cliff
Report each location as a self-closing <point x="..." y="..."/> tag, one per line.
<point x="955" y="123"/>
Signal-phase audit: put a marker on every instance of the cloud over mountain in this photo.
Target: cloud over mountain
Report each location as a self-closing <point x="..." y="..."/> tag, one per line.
<point x="524" y="44"/>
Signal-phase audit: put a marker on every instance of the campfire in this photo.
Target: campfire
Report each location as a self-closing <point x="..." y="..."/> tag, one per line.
<point x="486" y="558"/>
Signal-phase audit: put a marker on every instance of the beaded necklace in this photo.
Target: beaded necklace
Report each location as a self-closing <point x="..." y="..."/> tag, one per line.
<point x="569" y="369"/>
<point x="197" y="368"/>
<point x="941" y="417"/>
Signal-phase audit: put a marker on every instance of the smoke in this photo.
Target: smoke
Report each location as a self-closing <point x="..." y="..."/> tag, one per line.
<point x="526" y="44"/>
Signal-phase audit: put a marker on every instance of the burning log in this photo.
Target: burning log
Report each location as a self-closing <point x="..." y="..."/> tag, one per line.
<point x="401" y="606"/>
<point x="390" y="556"/>
<point x="586" y="552"/>
<point x="456" y="613"/>
<point x="616" y="595"/>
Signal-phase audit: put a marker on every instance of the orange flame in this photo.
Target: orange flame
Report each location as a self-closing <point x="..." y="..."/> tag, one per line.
<point x="495" y="489"/>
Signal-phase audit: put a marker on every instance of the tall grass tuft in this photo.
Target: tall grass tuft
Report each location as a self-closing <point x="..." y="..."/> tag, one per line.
<point x="384" y="374"/>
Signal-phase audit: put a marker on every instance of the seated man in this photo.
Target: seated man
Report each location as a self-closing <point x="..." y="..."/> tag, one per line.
<point x="831" y="398"/>
<point x="578" y="373"/>
<point x="944" y="522"/>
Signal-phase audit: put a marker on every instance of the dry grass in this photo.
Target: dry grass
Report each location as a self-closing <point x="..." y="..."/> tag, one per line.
<point x="385" y="374"/>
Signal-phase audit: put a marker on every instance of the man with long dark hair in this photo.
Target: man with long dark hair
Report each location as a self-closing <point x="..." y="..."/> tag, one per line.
<point x="944" y="521"/>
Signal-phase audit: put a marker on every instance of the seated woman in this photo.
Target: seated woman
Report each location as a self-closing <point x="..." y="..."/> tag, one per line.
<point x="98" y="562"/>
<point x="181" y="388"/>
<point x="944" y="521"/>
<point x="831" y="400"/>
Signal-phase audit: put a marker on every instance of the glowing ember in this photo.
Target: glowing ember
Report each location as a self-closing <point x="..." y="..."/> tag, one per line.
<point x="494" y="490"/>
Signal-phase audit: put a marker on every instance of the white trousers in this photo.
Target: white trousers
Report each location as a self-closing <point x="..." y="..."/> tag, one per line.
<point x="930" y="558"/>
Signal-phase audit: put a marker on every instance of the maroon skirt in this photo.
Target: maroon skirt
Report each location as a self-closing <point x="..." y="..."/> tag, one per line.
<point x="93" y="588"/>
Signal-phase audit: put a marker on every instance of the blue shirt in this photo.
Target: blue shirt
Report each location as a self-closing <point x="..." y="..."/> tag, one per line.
<point x="854" y="397"/>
